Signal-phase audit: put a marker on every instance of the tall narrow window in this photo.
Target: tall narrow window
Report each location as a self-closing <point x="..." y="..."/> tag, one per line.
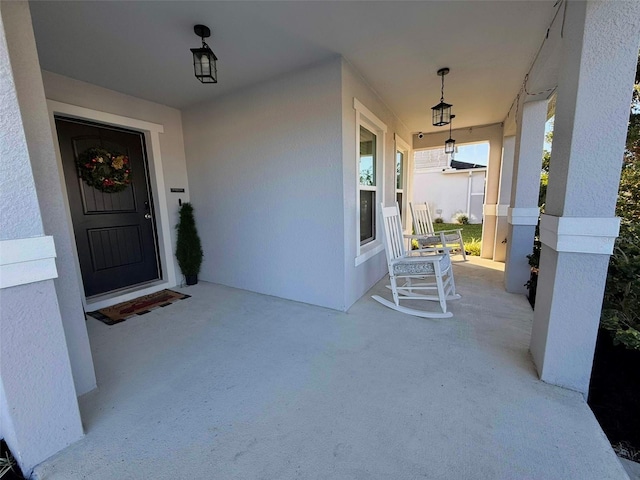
<point x="403" y="180"/>
<point x="370" y="134"/>
<point x="367" y="170"/>
<point x="399" y="178"/>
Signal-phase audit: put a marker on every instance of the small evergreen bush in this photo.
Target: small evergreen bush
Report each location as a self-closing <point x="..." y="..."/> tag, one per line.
<point x="438" y="220"/>
<point x="188" y="247"/>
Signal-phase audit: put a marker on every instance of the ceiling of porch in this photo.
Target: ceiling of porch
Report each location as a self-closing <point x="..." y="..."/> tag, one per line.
<point x="142" y="48"/>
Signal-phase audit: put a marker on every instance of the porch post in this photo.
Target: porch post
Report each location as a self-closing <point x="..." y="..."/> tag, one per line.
<point x="504" y="198"/>
<point x="523" y="213"/>
<point x="39" y="411"/>
<point x="491" y="196"/>
<point x="600" y="49"/>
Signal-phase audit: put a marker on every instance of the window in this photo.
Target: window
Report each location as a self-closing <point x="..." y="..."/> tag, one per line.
<point x="399" y="178"/>
<point x="368" y="182"/>
<point x="370" y="138"/>
<point x="402" y="177"/>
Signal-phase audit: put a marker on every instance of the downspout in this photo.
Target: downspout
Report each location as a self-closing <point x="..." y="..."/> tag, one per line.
<point x="469" y="196"/>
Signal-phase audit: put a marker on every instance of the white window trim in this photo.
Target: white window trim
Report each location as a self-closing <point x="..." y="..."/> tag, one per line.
<point x="367" y="119"/>
<point x="405" y="148"/>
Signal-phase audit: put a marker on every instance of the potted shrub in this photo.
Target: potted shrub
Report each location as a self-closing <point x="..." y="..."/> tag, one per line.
<point x="188" y="247"/>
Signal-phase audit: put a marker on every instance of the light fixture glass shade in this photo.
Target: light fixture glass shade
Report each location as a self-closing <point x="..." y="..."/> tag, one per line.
<point x="441" y="114"/>
<point x="204" y="64"/>
<point x="449" y="146"/>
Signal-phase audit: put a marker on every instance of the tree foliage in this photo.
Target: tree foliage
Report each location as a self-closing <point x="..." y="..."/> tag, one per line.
<point x="621" y="306"/>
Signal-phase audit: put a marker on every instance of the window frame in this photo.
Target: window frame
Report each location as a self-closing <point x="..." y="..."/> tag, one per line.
<point x="367" y="119"/>
<point x="404" y="148"/>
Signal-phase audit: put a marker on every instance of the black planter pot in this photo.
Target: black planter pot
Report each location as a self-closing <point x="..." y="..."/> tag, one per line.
<point x="191" y="279"/>
<point x="532" y="285"/>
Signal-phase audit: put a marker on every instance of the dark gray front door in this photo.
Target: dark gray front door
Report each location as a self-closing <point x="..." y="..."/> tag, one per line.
<point x="115" y="232"/>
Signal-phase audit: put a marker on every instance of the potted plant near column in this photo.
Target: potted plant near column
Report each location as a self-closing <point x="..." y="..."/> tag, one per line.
<point x="188" y="247"/>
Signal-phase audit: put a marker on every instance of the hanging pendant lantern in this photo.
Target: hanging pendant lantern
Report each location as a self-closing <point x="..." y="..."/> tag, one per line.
<point x="450" y="143"/>
<point x="204" y="60"/>
<point x="441" y="113"/>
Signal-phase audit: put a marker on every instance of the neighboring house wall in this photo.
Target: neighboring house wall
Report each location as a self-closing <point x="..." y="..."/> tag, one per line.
<point x="493" y="134"/>
<point x="452" y="191"/>
<point x="265" y="170"/>
<point x="359" y="279"/>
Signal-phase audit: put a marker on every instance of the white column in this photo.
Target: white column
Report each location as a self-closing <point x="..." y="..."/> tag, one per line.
<point x="38" y="407"/>
<point x="504" y="199"/>
<point x="491" y="196"/>
<point x="600" y="50"/>
<point x="522" y="215"/>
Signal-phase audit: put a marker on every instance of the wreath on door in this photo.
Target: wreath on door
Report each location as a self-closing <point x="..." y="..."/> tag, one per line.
<point x="107" y="171"/>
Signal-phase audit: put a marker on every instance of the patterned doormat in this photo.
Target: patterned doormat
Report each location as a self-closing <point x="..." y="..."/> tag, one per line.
<point x="138" y="306"/>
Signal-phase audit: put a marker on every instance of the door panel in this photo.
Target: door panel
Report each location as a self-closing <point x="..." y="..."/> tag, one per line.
<point x="115" y="232"/>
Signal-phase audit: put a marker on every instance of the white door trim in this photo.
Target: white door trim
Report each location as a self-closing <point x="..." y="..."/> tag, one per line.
<point x="152" y="133"/>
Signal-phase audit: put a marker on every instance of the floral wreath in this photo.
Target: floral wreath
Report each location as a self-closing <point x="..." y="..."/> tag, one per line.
<point x="107" y="171"/>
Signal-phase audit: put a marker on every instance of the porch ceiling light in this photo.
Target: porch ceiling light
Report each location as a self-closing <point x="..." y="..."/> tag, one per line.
<point x="441" y="113"/>
<point x="204" y="60"/>
<point x="450" y="143"/>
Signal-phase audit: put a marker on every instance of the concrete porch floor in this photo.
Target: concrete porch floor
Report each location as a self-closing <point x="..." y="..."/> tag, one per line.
<point x="235" y="385"/>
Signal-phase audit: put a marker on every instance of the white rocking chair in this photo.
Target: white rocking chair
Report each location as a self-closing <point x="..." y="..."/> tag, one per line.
<point x="405" y="269"/>
<point x="428" y="238"/>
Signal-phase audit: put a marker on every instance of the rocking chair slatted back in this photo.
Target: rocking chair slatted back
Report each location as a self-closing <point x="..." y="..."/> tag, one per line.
<point x="394" y="239"/>
<point x="415" y="277"/>
<point x="423" y="225"/>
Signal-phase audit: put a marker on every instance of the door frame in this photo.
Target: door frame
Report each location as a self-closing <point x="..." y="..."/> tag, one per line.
<point x="151" y="133"/>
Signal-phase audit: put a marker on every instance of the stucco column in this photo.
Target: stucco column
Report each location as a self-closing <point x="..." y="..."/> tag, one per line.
<point x="38" y="408"/>
<point x="523" y="213"/>
<point x="600" y="50"/>
<point x="504" y="199"/>
<point x="491" y="196"/>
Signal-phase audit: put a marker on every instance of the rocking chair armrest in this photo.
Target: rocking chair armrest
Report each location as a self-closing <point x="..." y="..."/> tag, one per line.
<point x="438" y="250"/>
<point x="406" y="235"/>
<point x="457" y="230"/>
<point x="417" y="259"/>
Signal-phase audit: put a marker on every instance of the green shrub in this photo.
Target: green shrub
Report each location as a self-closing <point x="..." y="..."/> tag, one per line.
<point x="621" y="304"/>
<point x="188" y="247"/>
<point x="462" y="218"/>
<point x="438" y="220"/>
<point x="473" y="247"/>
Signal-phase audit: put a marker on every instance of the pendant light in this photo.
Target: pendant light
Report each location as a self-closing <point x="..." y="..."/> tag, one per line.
<point x="441" y="113"/>
<point x="204" y="60"/>
<point x="450" y="144"/>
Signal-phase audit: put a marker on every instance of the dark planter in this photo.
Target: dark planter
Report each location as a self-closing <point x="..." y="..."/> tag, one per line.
<point x="191" y="279"/>
<point x="614" y="393"/>
<point x="532" y="285"/>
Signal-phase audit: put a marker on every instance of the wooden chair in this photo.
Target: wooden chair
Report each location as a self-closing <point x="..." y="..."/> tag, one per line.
<point x="428" y="238"/>
<point x="415" y="277"/>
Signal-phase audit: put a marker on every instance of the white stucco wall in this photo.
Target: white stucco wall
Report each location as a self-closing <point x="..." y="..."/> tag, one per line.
<point x="265" y="174"/>
<point x="359" y="279"/>
<point x="449" y="192"/>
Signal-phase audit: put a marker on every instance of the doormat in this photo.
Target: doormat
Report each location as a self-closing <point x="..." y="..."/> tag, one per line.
<point x="138" y="306"/>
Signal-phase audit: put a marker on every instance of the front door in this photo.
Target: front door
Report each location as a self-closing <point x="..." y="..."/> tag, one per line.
<point x="114" y="231"/>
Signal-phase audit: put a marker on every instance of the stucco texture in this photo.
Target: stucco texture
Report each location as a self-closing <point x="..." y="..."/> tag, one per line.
<point x="266" y="183"/>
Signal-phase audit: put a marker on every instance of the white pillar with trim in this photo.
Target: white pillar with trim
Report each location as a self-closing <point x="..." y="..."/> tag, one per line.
<point x="504" y="199"/>
<point x="39" y="412"/>
<point x="522" y="215"/>
<point x="600" y="51"/>
<point x="491" y="196"/>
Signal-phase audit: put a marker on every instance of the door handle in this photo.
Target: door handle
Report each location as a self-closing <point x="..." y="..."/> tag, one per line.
<point x="147" y="216"/>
